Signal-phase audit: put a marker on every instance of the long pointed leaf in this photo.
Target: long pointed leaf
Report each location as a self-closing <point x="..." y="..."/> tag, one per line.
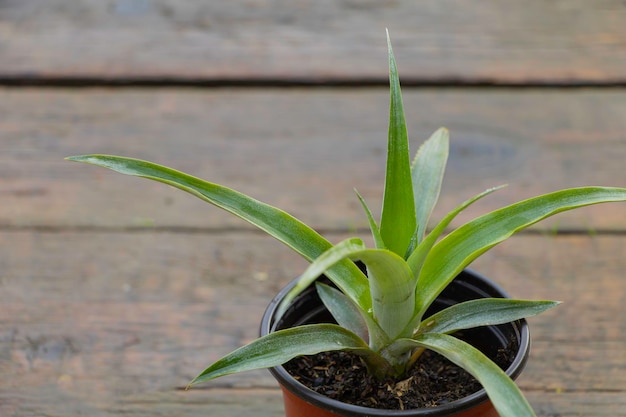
<point x="349" y="316"/>
<point x="471" y="240"/>
<point x="397" y="222"/>
<point x="345" y="312"/>
<point x="427" y="172"/>
<point x="275" y="222"/>
<point x="378" y="239"/>
<point x="279" y="347"/>
<point x="416" y="259"/>
<point x="483" y="312"/>
<point x="502" y="391"/>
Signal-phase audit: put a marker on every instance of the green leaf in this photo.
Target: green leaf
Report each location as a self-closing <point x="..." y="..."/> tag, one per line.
<point x="397" y="222"/>
<point x="275" y="222"/>
<point x="346" y="313"/>
<point x="391" y="283"/>
<point x="322" y="264"/>
<point x="427" y="172"/>
<point x="378" y="240"/>
<point x="392" y="286"/>
<point x="279" y="347"/>
<point x="412" y="243"/>
<point x="502" y="391"/>
<point x="483" y="312"/>
<point x="416" y="259"/>
<point x="471" y="240"/>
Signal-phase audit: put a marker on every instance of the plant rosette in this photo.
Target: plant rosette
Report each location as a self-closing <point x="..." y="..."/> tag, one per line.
<point x="383" y="314"/>
<point x="307" y="308"/>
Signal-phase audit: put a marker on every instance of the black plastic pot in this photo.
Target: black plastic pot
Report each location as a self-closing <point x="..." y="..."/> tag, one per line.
<point x="307" y="308"/>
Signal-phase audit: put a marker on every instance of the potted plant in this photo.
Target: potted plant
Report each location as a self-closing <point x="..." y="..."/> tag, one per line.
<point x="386" y="309"/>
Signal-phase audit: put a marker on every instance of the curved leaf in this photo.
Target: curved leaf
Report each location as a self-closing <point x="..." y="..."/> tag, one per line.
<point x="483" y="312"/>
<point x="427" y="172"/>
<point x="344" y="311"/>
<point x="284" y="227"/>
<point x="321" y="265"/>
<point x="457" y="250"/>
<point x="279" y="347"/>
<point x="364" y="325"/>
<point x="504" y="394"/>
<point x="416" y="259"/>
<point x="378" y="240"/>
<point x="391" y="283"/>
<point x="392" y="286"/>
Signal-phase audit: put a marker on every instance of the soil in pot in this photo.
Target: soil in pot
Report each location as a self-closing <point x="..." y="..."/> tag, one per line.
<point x="433" y="381"/>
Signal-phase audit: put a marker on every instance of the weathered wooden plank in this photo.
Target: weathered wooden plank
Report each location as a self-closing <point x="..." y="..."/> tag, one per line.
<point x="568" y="366"/>
<point x="268" y="403"/>
<point x="301" y="150"/>
<point x="565" y="41"/>
<point x="262" y="403"/>
<point x="577" y="404"/>
<point x="104" y="323"/>
<point x="59" y="400"/>
<point x="585" y="272"/>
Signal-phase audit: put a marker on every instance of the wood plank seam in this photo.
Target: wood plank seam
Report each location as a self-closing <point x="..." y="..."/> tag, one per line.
<point x="77" y="81"/>
<point x="51" y="229"/>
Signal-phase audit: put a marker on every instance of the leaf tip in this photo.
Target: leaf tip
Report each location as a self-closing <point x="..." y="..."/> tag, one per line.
<point x="79" y="158"/>
<point x="390" y="49"/>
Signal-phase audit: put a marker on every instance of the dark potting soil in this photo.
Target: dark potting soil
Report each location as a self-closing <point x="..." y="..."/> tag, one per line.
<point x="433" y="381"/>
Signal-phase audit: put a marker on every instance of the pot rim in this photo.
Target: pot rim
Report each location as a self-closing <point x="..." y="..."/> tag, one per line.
<point x="295" y="387"/>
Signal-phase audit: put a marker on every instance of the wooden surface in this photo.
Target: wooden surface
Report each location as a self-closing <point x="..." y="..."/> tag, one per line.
<point x="559" y="41"/>
<point x="115" y="292"/>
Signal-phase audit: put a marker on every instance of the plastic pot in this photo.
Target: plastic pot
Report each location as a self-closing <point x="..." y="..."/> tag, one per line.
<point x="307" y="308"/>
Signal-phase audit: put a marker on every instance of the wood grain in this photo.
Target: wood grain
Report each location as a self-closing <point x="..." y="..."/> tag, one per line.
<point x="451" y="41"/>
<point x="302" y="150"/>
